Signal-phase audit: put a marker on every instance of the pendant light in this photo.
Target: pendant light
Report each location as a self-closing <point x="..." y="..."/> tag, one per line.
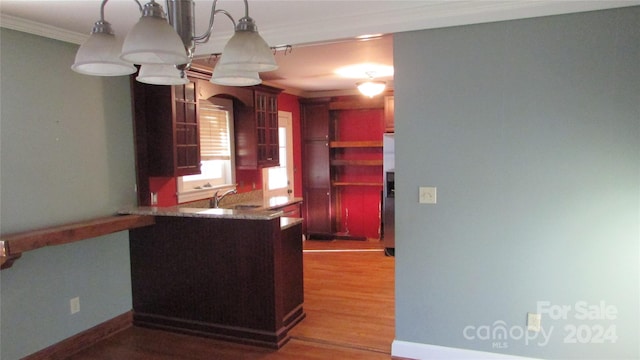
<point x="154" y="40"/>
<point x="158" y="74"/>
<point x="233" y="77"/>
<point x="247" y="50"/>
<point x="99" y="55"/>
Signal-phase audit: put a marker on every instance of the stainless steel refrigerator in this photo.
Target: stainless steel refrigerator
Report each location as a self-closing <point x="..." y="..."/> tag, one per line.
<point x="388" y="217"/>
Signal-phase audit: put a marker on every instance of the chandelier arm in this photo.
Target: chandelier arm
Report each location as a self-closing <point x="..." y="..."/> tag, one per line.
<point x="104" y="3"/>
<point x="205" y="37"/>
<point x="139" y="5"/>
<point x="207" y="34"/>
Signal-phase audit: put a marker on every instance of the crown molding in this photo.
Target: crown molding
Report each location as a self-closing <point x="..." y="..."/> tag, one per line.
<point x="417" y="15"/>
<point x="36" y="28"/>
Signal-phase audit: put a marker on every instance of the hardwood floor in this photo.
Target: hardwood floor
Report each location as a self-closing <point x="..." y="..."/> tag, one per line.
<point x="349" y="301"/>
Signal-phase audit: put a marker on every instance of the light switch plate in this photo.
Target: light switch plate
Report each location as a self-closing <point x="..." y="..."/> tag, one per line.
<point x="74" y="305"/>
<point x="427" y="195"/>
<point x="533" y="322"/>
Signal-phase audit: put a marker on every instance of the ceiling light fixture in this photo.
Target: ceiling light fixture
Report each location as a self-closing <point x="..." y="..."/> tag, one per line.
<point x="164" y="44"/>
<point x="371" y="87"/>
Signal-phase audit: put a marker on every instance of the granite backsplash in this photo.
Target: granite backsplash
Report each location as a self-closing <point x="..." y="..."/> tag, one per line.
<point x="251" y="196"/>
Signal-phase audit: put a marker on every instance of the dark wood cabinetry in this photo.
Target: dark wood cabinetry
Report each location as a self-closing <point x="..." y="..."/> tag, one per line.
<point x="165" y="132"/>
<point x="342" y="166"/>
<point x="267" y="128"/>
<point x="234" y="279"/>
<point x="167" y="141"/>
<point x="170" y="117"/>
<point x="316" y="176"/>
<point x="256" y="131"/>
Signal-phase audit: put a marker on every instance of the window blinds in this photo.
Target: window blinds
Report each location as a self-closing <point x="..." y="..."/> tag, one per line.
<point x="214" y="132"/>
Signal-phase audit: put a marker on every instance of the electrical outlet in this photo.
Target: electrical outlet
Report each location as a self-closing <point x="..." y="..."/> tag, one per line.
<point x="154" y="198"/>
<point x="533" y="322"/>
<point x="427" y="195"/>
<point x="74" y="305"/>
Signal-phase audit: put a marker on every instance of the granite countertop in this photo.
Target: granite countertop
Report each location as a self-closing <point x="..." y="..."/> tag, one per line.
<point x="287" y="222"/>
<point x="271" y="203"/>
<point x="251" y="209"/>
<point x="202" y="212"/>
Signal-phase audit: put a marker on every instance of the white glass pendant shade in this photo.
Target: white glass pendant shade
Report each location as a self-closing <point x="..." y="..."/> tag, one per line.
<point x="99" y="55"/>
<point x="248" y="51"/>
<point x="153" y="41"/>
<point x="156" y="74"/>
<point x="371" y="88"/>
<point x="234" y="77"/>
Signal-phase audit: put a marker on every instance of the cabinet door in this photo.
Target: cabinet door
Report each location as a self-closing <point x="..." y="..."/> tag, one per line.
<point x="318" y="215"/>
<point x="317" y="188"/>
<point x="317" y="173"/>
<point x="167" y="122"/>
<point x="186" y="138"/>
<point x="266" y="116"/>
<point x="315" y="121"/>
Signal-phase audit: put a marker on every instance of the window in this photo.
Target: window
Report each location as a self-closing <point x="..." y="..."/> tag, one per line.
<point x="216" y="152"/>
<point x="277" y="181"/>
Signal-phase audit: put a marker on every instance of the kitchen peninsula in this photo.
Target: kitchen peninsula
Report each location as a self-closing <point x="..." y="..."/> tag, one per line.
<point x="224" y="273"/>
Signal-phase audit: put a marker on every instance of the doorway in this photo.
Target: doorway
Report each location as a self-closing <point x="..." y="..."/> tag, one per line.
<point x="278" y="180"/>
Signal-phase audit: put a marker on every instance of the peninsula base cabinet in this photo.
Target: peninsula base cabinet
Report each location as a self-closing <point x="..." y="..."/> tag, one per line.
<point x="233" y="279"/>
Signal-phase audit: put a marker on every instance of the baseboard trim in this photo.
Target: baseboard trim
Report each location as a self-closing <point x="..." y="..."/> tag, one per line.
<point x="273" y="339"/>
<point x="85" y="339"/>
<point x="417" y="351"/>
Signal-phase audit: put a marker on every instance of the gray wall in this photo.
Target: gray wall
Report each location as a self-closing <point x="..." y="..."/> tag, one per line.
<point x="530" y="130"/>
<point x="66" y="155"/>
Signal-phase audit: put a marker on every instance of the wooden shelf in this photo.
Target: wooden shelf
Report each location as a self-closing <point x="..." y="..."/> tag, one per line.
<point x="354" y="183"/>
<point x="13" y="245"/>
<point x="342" y="162"/>
<point x="355" y="144"/>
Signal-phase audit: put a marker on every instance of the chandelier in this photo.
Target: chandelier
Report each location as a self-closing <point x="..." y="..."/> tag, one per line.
<point x="163" y="45"/>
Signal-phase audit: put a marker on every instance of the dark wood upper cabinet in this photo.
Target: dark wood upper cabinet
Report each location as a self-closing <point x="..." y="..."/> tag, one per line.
<point x="256" y="130"/>
<point x="167" y="118"/>
<point x="167" y="140"/>
<point x="315" y="119"/>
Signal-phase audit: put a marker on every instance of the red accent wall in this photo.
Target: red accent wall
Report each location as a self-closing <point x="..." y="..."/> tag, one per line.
<point x="361" y="208"/>
<point x="166" y="187"/>
<point x="248" y="180"/>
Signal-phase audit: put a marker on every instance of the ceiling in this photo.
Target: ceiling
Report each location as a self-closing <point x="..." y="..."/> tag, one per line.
<point x="322" y="33"/>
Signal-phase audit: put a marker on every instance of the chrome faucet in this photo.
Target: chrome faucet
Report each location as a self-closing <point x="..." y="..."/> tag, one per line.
<point x="215" y="200"/>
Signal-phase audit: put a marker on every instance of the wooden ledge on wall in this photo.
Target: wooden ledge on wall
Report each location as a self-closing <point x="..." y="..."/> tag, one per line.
<point x="13" y="245"/>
